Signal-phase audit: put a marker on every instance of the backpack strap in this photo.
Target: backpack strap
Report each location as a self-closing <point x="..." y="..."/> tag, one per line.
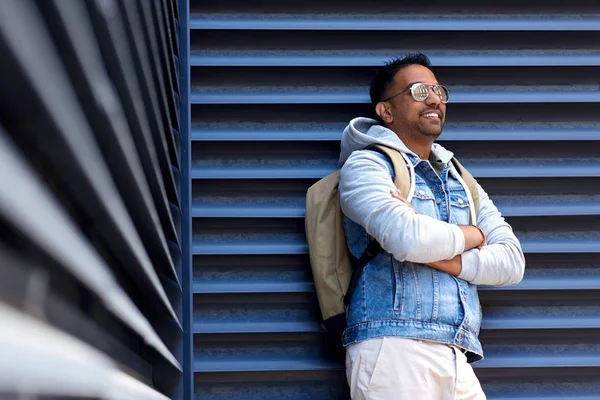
<point x="471" y="184"/>
<point x="403" y="183"/>
<point x="402" y="177"/>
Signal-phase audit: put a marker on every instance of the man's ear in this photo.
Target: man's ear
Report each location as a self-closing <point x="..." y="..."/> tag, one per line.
<point x="383" y="110"/>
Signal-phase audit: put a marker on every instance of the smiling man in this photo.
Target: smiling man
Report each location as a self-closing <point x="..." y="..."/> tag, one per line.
<point x="414" y="317"/>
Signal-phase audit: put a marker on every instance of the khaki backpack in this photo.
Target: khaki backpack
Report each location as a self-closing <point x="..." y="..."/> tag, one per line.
<point x="335" y="271"/>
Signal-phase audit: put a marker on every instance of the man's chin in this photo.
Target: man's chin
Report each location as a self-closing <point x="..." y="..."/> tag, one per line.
<point x="432" y="133"/>
<point x="431" y="129"/>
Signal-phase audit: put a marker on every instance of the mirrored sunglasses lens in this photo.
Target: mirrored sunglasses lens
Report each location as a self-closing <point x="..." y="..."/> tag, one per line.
<point x="420" y="92"/>
<point x="442" y="93"/>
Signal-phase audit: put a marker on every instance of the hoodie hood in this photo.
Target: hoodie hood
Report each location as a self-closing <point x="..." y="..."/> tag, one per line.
<point x="362" y="132"/>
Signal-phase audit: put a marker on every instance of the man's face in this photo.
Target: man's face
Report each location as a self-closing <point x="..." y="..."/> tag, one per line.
<point x="425" y="118"/>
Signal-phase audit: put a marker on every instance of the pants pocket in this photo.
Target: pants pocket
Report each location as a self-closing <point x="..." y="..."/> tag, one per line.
<point x="362" y="361"/>
<point x="376" y="369"/>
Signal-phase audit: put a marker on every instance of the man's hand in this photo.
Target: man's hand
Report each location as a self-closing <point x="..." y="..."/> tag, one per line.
<point x="397" y="194"/>
<point x="474" y="237"/>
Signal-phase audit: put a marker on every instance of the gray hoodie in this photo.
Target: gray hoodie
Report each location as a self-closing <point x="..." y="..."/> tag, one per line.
<point x="365" y="185"/>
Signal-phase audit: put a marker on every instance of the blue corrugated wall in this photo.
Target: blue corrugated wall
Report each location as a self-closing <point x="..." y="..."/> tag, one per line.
<point x="273" y="84"/>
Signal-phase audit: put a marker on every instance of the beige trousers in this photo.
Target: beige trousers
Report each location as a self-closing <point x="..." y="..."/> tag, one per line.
<point x="393" y="368"/>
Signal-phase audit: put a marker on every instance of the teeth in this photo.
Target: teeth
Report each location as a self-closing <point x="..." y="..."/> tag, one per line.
<point x="431" y="115"/>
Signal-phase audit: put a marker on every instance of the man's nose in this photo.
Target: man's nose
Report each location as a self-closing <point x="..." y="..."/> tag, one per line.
<point x="433" y="99"/>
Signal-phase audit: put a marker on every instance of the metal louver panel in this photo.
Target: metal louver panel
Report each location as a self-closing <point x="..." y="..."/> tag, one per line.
<point x="93" y="374"/>
<point x="273" y="84"/>
<point x="30" y="209"/>
<point x="91" y="229"/>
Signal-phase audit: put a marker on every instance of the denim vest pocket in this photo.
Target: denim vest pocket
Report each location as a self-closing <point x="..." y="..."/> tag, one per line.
<point x="423" y="202"/>
<point x="398" y="286"/>
<point x="473" y="311"/>
<point x="408" y="302"/>
<point x="459" y="207"/>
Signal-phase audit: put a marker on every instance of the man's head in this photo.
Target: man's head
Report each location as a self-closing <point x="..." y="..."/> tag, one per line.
<point x="395" y="103"/>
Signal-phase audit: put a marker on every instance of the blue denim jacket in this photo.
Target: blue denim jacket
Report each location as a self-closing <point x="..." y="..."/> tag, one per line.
<point x="409" y="299"/>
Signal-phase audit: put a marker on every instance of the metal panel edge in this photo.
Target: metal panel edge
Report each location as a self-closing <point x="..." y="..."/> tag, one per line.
<point x="186" y="198"/>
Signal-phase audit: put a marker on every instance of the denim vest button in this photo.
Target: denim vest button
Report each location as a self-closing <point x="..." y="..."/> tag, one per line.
<point x="438" y="200"/>
<point x="460" y="201"/>
<point x="421" y="192"/>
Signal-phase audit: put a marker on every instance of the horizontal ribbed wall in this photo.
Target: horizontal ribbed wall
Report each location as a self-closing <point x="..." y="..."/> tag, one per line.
<point x="90" y="200"/>
<point x="273" y="86"/>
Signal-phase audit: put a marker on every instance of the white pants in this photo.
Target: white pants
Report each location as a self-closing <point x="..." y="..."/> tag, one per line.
<point x="394" y="368"/>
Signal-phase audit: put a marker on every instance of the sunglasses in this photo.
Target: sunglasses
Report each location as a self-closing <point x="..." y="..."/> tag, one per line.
<point x="420" y="91"/>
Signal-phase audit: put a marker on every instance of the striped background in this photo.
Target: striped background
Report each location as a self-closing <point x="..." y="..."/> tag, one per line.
<point x="273" y="85"/>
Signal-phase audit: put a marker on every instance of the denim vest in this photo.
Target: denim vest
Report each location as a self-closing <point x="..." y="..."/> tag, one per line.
<point x="412" y="300"/>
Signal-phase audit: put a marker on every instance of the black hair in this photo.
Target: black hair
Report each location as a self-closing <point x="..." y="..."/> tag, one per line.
<point x="384" y="77"/>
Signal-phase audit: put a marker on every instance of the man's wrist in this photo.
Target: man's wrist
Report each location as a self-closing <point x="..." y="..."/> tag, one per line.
<point x="483" y="237"/>
<point x="474" y="237"/>
<point x="452" y="266"/>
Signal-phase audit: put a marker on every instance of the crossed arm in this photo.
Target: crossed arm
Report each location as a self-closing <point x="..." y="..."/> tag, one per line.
<point x="474" y="238"/>
<point x="365" y="197"/>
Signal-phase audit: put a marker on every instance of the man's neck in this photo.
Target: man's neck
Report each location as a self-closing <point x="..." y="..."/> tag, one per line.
<point x="423" y="150"/>
<point x="418" y="144"/>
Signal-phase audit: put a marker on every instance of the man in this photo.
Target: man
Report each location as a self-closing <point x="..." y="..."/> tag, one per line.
<point x="414" y="318"/>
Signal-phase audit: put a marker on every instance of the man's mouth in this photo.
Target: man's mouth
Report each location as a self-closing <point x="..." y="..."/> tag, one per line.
<point x="431" y="115"/>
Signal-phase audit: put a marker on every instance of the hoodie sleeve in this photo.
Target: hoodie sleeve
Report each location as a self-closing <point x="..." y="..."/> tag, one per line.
<point x="365" y="185"/>
<point x="501" y="262"/>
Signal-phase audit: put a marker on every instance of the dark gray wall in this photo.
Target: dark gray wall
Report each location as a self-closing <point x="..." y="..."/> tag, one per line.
<point x="90" y="200"/>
